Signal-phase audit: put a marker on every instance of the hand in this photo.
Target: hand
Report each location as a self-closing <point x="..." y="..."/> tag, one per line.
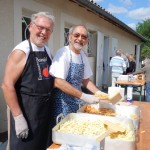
<point x="89" y="98"/>
<point x="21" y="127"/>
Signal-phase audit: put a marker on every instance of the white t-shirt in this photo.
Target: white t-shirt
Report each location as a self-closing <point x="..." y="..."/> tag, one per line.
<point x="61" y="63"/>
<point x="24" y="46"/>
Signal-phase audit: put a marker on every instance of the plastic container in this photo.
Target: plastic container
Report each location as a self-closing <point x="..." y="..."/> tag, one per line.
<point x="129" y="93"/>
<point x="129" y="78"/>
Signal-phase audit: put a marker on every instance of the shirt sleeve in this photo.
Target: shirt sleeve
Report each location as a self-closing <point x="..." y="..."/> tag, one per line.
<point x="60" y="64"/>
<point x="23" y="46"/>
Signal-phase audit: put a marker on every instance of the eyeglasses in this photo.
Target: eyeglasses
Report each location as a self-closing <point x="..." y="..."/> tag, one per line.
<point x="77" y="35"/>
<point x="41" y="28"/>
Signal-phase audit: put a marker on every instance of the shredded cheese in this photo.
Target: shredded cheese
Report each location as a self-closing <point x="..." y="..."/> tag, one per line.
<point x="94" y="129"/>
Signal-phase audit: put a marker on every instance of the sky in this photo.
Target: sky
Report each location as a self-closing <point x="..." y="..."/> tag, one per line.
<point x="131" y="12"/>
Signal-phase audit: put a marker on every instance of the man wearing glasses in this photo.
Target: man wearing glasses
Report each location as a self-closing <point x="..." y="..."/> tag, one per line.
<point x="27" y="84"/>
<point x="71" y="64"/>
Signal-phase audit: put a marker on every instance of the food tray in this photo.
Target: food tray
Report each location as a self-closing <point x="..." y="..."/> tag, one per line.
<point x="82" y="140"/>
<point x="126" y="111"/>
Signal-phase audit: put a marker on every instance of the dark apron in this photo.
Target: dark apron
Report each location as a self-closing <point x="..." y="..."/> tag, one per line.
<point x="64" y="103"/>
<point x="33" y="90"/>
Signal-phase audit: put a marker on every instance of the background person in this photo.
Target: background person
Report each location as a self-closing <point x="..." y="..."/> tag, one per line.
<point x="118" y="66"/>
<point x="124" y="56"/>
<point x="71" y="64"/>
<point x="145" y="61"/>
<point x="132" y="64"/>
<point x="146" y="71"/>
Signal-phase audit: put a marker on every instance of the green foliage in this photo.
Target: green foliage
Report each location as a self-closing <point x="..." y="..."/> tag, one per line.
<point x="144" y="29"/>
<point x="145" y="51"/>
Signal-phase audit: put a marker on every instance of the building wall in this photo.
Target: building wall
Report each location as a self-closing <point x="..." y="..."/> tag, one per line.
<point x="6" y="44"/>
<point x="66" y="14"/>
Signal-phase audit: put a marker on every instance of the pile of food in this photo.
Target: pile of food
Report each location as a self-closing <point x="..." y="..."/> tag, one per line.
<point x="110" y="98"/>
<point x="134" y="116"/>
<point x="94" y="129"/>
<point x="102" y="111"/>
<point x="102" y="96"/>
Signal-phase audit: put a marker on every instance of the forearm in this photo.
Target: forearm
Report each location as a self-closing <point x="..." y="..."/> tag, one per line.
<point x="90" y="85"/>
<point x="11" y="99"/>
<point x="70" y="90"/>
<point x="67" y="88"/>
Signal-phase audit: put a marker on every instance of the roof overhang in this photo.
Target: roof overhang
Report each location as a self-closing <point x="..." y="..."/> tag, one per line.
<point x="102" y="13"/>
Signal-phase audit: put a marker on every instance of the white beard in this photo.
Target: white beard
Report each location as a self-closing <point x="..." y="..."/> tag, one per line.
<point x="78" y="46"/>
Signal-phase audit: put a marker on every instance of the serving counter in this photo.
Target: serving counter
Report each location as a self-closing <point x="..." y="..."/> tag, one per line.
<point x="143" y="133"/>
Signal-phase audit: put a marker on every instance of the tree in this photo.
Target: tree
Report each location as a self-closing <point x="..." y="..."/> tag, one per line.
<point x="143" y="28"/>
<point x="145" y="51"/>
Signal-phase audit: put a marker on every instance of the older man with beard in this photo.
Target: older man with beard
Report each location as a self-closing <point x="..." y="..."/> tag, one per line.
<point x="71" y="64"/>
<point x="27" y="85"/>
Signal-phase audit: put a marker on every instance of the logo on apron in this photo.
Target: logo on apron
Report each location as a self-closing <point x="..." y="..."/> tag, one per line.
<point x="42" y="68"/>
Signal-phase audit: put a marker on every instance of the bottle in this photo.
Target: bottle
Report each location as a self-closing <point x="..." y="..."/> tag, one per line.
<point x="129" y="78"/>
<point x="132" y="77"/>
<point x="129" y="93"/>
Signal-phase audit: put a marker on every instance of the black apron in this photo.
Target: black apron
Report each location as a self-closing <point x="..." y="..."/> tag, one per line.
<point x="33" y="90"/>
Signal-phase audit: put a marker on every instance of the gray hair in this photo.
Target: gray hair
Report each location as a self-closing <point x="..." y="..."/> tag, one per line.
<point x="43" y="14"/>
<point x="118" y="52"/>
<point x="71" y="30"/>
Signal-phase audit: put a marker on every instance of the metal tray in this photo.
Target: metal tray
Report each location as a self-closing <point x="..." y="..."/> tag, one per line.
<point x="81" y="140"/>
<point x="125" y="111"/>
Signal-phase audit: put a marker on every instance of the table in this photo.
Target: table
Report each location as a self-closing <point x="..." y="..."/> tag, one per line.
<point x="132" y="83"/>
<point x="143" y="133"/>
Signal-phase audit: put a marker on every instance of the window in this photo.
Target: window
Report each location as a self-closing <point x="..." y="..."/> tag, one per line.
<point x="66" y="31"/>
<point x="25" y="31"/>
<point x="90" y="44"/>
